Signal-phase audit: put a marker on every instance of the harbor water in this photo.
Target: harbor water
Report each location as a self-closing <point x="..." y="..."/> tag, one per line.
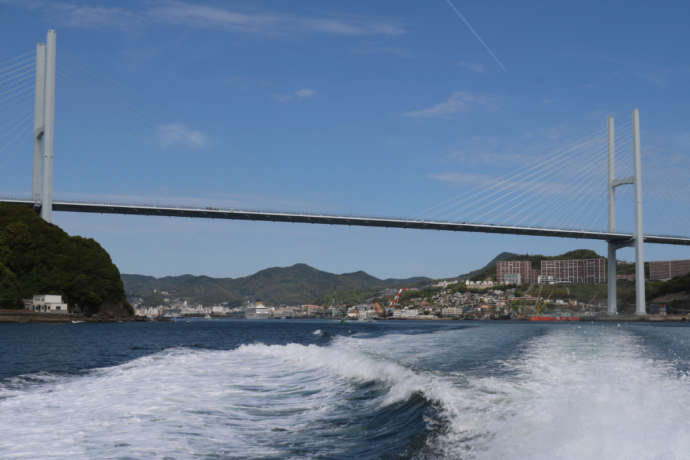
<point x="279" y="389"/>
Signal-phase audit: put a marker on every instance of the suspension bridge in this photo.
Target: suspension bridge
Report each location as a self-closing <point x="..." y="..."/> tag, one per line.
<point x="503" y="196"/>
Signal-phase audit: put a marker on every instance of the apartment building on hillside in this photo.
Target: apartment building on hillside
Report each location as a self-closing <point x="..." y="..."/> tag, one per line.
<point x="573" y="271"/>
<point x="515" y="272"/>
<point x="667" y="269"/>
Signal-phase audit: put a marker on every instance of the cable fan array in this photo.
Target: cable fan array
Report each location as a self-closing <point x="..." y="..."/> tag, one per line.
<point x="16" y="102"/>
<point x="563" y="187"/>
<point x="561" y="184"/>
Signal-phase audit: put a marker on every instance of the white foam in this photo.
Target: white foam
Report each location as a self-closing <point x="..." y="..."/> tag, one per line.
<point x="348" y="363"/>
<point x="573" y="393"/>
<point x="181" y="403"/>
<point x="588" y="393"/>
<point x="251" y="401"/>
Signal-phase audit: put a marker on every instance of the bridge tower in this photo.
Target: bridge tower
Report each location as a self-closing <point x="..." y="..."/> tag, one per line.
<point x="44" y="127"/>
<point x="638" y="239"/>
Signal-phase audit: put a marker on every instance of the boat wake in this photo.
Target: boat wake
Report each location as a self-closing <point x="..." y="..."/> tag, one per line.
<point x="571" y="393"/>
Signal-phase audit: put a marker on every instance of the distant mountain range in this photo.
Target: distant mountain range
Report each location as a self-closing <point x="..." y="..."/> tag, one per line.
<point x="297" y="284"/>
<point x="302" y="284"/>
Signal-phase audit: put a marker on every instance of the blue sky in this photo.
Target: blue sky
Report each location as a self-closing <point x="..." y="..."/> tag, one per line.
<point x="383" y="108"/>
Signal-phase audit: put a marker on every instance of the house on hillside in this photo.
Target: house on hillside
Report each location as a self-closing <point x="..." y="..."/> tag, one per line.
<point x="48" y="303"/>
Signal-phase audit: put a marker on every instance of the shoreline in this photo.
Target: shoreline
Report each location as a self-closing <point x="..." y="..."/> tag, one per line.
<point x="581" y="319"/>
<point x="24" y="316"/>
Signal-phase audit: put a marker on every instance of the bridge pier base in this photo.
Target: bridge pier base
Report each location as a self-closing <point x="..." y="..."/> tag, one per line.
<point x="611" y="275"/>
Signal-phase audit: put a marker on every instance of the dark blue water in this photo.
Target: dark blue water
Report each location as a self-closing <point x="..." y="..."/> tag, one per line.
<point x="321" y="389"/>
<point x="71" y="348"/>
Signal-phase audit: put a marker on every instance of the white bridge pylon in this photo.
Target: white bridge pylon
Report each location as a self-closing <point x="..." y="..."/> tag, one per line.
<point x="638" y="236"/>
<point x="42" y="191"/>
<point x="44" y="127"/>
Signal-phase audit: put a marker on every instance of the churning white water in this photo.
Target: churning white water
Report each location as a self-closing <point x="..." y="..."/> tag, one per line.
<point x="589" y="393"/>
<point x="566" y="393"/>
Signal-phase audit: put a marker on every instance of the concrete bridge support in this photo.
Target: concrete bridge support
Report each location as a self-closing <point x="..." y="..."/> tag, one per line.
<point x="611" y="275"/>
<point x="39" y="91"/>
<point x="638" y="236"/>
<point x="44" y="127"/>
<point x="640" y="307"/>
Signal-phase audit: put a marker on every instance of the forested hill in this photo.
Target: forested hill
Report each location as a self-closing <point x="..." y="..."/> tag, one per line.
<point x="39" y="258"/>
<point x="297" y="284"/>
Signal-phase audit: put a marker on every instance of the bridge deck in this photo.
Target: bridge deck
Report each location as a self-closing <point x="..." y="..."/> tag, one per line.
<point x="233" y="214"/>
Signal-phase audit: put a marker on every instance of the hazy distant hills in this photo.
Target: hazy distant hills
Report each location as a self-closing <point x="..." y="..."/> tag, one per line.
<point x="302" y="284"/>
<point x="297" y="284"/>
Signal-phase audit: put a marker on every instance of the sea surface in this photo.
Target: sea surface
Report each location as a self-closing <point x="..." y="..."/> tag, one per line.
<point x="217" y="389"/>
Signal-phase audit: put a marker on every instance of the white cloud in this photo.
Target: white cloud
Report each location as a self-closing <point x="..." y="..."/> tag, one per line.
<point x="473" y="66"/>
<point x="72" y="14"/>
<point x="351" y="27"/>
<point x="94" y="16"/>
<point x="171" y="134"/>
<point x="197" y="15"/>
<point x="304" y="93"/>
<point x="459" y="101"/>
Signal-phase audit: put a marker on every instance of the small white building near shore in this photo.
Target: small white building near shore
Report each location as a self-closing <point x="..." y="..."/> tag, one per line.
<point x="48" y="303"/>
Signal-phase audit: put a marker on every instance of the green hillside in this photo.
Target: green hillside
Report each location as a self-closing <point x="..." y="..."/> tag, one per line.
<point x="297" y="284"/>
<point x="39" y="258"/>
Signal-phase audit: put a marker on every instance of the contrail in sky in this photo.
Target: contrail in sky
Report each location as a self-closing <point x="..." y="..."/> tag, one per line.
<point x="474" y="32"/>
